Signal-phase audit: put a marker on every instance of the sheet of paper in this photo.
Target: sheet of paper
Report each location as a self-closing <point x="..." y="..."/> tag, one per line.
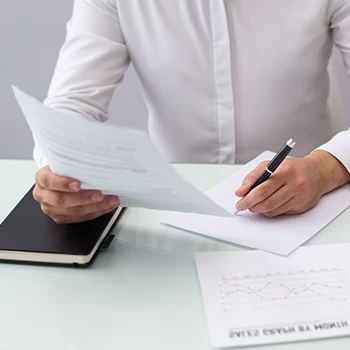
<point x="117" y="161"/>
<point x="280" y="235"/>
<point x="254" y="298"/>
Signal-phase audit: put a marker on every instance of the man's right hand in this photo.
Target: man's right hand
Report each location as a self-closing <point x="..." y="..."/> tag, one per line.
<point x="61" y="198"/>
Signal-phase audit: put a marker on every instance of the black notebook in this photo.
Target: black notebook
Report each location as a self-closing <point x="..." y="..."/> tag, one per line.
<point x="28" y="235"/>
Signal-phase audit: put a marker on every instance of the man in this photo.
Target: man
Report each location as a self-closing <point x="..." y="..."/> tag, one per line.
<point x="223" y="80"/>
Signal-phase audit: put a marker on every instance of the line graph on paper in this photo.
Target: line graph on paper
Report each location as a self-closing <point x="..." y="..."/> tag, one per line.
<point x="284" y="289"/>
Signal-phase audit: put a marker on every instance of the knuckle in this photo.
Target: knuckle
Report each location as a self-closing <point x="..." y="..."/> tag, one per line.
<point x="78" y="211"/>
<point x="287" y="170"/>
<point x="261" y="191"/>
<point x="46" y="210"/>
<point x="58" y="200"/>
<point x="44" y="180"/>
<point x="40" y="174"/>
<point x="268" y="206"/>
<point x="301" y="184"/>
<point x="105" y="204"/>
<point x="85" y="198"/>
<point x="36" y="194"/>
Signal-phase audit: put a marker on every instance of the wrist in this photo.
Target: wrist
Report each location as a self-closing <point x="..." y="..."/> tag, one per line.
<point x="330" y="172"/>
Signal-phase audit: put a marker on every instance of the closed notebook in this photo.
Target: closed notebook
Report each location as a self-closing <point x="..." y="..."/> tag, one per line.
<point x="28" y="235"/>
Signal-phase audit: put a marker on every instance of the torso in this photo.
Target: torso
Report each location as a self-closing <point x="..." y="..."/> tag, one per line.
<point x="225" y="80"/>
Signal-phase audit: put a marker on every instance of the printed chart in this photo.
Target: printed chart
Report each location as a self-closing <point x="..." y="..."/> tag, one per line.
<point x="284" y="289"/>
<point x="255" y="298"/>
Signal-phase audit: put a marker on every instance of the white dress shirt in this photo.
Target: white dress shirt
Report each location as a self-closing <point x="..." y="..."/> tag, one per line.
<point x="222" y="80"/>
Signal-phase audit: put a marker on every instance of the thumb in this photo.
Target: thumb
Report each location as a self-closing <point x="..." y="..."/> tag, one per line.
<point x="242" y="191"/>
<point x="250" y="179"/>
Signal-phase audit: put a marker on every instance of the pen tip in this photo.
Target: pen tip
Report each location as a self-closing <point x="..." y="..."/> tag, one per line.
<point x="236" y="212"/>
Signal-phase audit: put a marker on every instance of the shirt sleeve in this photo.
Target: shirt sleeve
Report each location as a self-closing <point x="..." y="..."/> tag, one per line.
<point x="339" y="14"/>
<point x="91" y="63"/>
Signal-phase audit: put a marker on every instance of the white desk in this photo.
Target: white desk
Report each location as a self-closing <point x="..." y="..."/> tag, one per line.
<point x="141" y="294"/>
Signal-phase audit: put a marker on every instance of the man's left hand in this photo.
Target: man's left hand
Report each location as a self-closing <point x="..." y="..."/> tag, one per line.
<point x="295" y="187"/>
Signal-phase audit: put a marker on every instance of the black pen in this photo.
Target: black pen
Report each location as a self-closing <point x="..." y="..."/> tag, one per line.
<point x="273" y="165"/>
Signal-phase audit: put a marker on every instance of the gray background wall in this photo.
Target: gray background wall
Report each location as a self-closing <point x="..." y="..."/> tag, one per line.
<point x="31" y="33"/>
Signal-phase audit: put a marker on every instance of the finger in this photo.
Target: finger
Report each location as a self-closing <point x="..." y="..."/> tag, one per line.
<point x="67" y="200"/>
<point x="249" y="180"/>
<point x="63" y="219"/>
<point x="260" y="193"/>
<point x="298" y="210"/>
<point x="242" y="191"/>
<point x="277" y="199"/>
<point x="283" y="209"/>
<point x="48" y="180"/>
<point x="81" y="210"/>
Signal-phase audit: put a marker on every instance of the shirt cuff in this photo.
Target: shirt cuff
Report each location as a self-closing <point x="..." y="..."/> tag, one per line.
<point x="339" y="147"/>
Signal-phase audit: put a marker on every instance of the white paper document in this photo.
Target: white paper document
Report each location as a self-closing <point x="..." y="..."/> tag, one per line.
<point x="280" y="235"/>
<point x="119" y="161"/>
<point x="254" y="298"/>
